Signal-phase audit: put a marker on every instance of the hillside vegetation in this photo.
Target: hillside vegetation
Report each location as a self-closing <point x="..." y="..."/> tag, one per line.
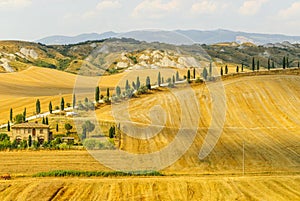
<point x="116" y="55"/>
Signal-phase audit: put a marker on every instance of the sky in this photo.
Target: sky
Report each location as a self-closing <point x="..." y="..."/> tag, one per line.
<point x="35" y="19"/>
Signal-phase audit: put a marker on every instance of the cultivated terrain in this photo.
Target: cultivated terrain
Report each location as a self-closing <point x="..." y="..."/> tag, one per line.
<point x="256" y="157"/>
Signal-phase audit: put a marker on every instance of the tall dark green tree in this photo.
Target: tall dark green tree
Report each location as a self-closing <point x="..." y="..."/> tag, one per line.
<point x="74" y="101"/>
<point x="205" y="73"/>
<point x="148" y="83"/>
<point x="237" y="69"/>
<point x="226" y="69"/>
<point x="177" y="76"/>
<point x="273" y="64"/>
<point x="159" y="79"/>
<point x="221" y="71"/>
<point x="38" y="106"/>
<point x="173" y="80"/>
<point x="97" y="94"/>
<point x="24" y="114"/>
<point x="210" y="69"/>
<point x="118" y="91"/>
<point x="127" y="86"/>
<point x="298" y="64"/>
<point x="138" y="83"/>
<point x="112" y="132"/>
<point x="62" y="104"/>
<point x="133" y="85"/>
<point x="253" y="64"/>
<point x="29" y="141"/>
<point x="188" y="75"/>
<point x="47" y="121"/>
<point x="50" y="107"/>
<point x="257" y="65"/>
<point x="194" y="73"/>
<point x="269" y="64"/>
<point x="242" y="67"/>
<point x="287" y="62"/>
<point x="283" y="63"/>
<point x="11" y="114"/>
<point x="107" y="92"/>
<point x="8" y="126"/>
<point x="56" y="128"/>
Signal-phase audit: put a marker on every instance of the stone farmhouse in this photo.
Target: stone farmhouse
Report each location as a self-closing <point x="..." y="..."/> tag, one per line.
<point x="39" y="132"/>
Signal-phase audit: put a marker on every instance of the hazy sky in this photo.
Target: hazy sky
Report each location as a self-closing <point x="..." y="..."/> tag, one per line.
<point x="34" y="19"/>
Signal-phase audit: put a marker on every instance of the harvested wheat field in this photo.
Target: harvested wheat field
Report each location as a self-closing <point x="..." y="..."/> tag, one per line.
<point x="20" y="90"/>
<point x="153" y="188"/>
<point x="260" y="139"/>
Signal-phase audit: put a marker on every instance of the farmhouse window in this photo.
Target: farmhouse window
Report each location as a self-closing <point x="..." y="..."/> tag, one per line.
<point x="41" y="131"/>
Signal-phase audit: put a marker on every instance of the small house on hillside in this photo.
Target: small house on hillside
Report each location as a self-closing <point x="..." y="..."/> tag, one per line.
<point x="39" y="132"/>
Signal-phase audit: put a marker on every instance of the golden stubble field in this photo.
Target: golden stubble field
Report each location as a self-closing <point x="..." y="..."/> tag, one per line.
<point x="261" y="113"/>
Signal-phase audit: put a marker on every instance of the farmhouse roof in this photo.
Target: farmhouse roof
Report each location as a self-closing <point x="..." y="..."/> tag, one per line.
<point x="30" y="125"/>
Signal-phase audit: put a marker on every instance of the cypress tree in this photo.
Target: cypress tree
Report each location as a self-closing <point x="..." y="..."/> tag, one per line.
<point x="43" y="122"/>
<point x="162" y="80"/>
<point x="148" y="83"/>
<point x="159" y="79"/>
<point x="8" y="126"/>
<point x="273" y="64"/>
<point x="138" y="83"/>
<point x="74" y="101"/>
<point x="56" y="128"/>
<point x="287" y="62"/>
<point x="237" y="69"/>
<point x="133" y="85"/>
<point x="188" y="75"/>
<point x="127" y="86"/>
<point x="38" y="106"/>
<point x="173" y="80"/>
<point x="298" y="64"/>
<point x="11" y="114"/>
<point x="24" y="114"/>
<point x="283" y="63"/>
<point x="118" y="91"/>
<point x="253" y="64"/>
<point x="97" y="94"/>
<point x="107" y="92"/>
<point x="194" y="73"/>
<point x="29" y="141"/>
<point x="177" y="76"/>
<point x="269" y="64"/>
<point x="242" y="67"/>
<point x="210" y="69"/>
<point x="221" y="71"/>
<point x="258" y="65"/>
<point x="205" y="74"/>
<point x="62" y="104"/>
<point x="50" y="107"/>
<point x="226" y="69"/>
<point x="46" y="121"/>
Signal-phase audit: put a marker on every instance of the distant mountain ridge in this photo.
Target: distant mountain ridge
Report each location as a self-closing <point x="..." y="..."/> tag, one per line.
<point x="177" y="37"/>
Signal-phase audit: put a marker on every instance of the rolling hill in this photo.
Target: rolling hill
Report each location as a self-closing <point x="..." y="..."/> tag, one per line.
<point x="261" y="114"/>
<point x="177" y="37"/>
<point x="118" y="55"/>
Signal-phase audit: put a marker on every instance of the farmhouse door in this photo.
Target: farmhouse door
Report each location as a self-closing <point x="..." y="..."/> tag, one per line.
<point x="33" y="132"/>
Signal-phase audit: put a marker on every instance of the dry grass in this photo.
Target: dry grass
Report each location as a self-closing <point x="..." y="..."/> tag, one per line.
<point x="261" y="111"/>
<point x="152" y="188"/>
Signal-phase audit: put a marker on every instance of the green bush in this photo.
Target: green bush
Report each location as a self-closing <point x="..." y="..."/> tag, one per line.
<point x="75" y="173"/>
